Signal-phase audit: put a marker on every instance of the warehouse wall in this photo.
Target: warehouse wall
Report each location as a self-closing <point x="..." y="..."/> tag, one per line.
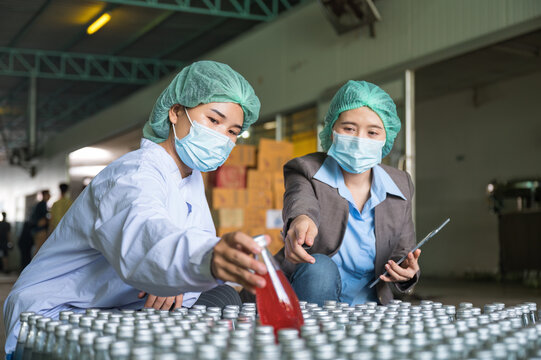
<point x="296" y="58"/>
<point x="461" y="147"/>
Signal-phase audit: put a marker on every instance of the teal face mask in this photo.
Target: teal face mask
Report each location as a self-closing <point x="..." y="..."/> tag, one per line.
<point x="203" y="149"/>
<point x="355" y="154"/>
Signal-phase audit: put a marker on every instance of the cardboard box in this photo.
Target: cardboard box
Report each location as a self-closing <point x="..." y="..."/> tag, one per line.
<point x="278" y="200"/>
<point x="278" y="181"/>
<point x="277" y="241"/>
<point x="278" y="190"/>
<point x="224" y="218"/>
<point x="224" y="230"/>
<point x="274" y="219"/>
<point x="304" y="143"/>
<point x="228" y="198"/>
<point x="243" y="155"/>
<point x="254" y="231"/>
<point x="256" y="198"/>
<point x="231" y="177"/>
<point x="273" y="154"/>
<point x="275" y="147"/>
<point x="209" y="179"/>
<point x="208" y="196"/>
<point x="205" y="177"/>
<point x="255" y="218"/>
<point x="260" y="179"/>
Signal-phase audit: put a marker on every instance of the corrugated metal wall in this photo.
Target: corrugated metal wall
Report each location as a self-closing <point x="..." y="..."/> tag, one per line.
<point x="293" y="60"/>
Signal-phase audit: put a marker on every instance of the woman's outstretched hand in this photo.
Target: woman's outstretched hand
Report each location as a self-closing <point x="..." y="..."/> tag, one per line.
<point x="301" y="231"/>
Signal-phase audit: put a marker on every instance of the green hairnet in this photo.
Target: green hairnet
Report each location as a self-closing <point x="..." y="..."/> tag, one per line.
<point x="202" y="82"/>
<point x="356" y="94"/>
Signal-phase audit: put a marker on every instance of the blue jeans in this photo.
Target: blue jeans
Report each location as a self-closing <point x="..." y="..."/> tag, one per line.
<point x="317" y="282"/>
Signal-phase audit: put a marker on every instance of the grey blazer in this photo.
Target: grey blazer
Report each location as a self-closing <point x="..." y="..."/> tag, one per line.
<point x="304" y="195"/>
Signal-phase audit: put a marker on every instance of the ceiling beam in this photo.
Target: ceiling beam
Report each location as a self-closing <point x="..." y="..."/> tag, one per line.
<point x="22" y="86"/>
<point x="91" y="103"/>
<point x="257" y="10"/>
<point x="160" y="19"/>
<point x="29" y="23"/>
<point x="56" y="108"/>
<point x="83" y="67"/>
<point x="54" y="101"/>
<point x="13" y="42"/>
<point x="211" y="26"/>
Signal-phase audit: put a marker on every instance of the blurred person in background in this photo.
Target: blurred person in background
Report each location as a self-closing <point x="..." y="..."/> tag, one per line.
<point x="5" y="243"/>
<point x="39" y="219"/>
<point x="25" y="243"/>
<point x="60" y="207"/>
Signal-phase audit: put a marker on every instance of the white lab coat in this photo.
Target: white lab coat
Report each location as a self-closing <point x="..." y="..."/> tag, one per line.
<point x="137" y="226"/>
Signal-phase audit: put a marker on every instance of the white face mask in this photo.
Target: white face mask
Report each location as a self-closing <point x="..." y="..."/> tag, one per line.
<point x="203" y="149"/>
<point x="355" y="154"/>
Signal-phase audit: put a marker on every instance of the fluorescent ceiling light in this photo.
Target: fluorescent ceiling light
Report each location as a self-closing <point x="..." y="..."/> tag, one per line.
<point x="93" y="154"/>
<point x="269" y="125"/>
<point x="85" y="171"/>
<point x="98" y="24"/>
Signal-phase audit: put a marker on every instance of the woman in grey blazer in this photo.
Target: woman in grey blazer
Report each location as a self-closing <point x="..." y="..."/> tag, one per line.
<point x="348" y="218"/>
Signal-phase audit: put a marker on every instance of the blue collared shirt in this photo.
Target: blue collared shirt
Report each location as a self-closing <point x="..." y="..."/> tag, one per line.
<point x="355" y="258"/>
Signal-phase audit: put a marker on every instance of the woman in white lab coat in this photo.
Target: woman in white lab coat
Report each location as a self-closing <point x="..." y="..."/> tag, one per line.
<point x="143" y="225"/>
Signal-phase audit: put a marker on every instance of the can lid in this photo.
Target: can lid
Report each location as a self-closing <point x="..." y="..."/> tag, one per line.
<point x="114" y="318"/>
<point x="87" y="338"/>
<point x="86" y="321"/>
<point x="51" y="325"/>
<point x="168" y="356"/>
<point x="74" y="318"/>
<point x="165" y="340"/>
<point x="33" y="319"/>
<point x="92" y="312"/>
<point x="118" y="348"/>
<point x="24" y="315"/>
<point x="105" y="339"/>
<point x="98" y="324"/>
<point x="42" y="322"/>
<point x="61" y="330"/>
<point x="73" y="334"/>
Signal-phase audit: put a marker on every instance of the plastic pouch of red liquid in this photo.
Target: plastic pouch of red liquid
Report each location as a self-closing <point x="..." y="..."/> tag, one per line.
<point x="277" y="303"/>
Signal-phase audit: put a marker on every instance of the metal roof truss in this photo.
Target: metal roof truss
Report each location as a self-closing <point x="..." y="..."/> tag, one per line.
<point x="242" y="9"/>
<point x="85" y="67"/>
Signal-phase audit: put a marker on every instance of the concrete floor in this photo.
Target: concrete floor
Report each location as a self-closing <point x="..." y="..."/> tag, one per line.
<point x="449" y="292"/>
<point x="452" y="292"/>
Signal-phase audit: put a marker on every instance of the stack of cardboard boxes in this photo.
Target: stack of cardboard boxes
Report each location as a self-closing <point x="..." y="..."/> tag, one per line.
<point x="248" y="194"/>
